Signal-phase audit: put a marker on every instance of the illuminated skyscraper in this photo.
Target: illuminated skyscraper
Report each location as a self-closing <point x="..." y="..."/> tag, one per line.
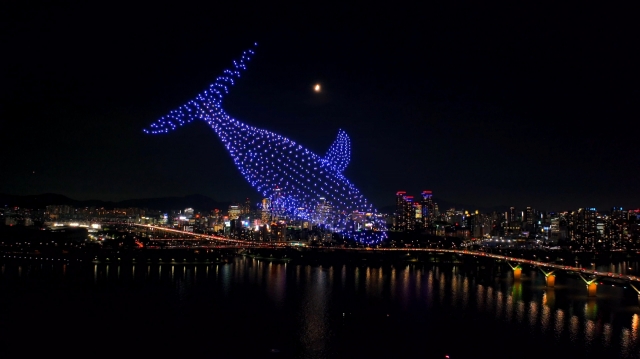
<point x="529" y="220"/>
<point x="234" y="211"/>
<point x="428" y="209"/>
<point x="246" y="208"/>
<point x="512" y="216"/>
<point x="266" y="210"/>
<point x="400" y="216"/>
<point x="405" y="216"/>
<point x="584" y="227"/>
<point x="410" y="213"/>
<point x="323" y="214"/>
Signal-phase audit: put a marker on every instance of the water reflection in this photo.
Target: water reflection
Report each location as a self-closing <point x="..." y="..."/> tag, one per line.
<point x="606" y="335"/>
<point x="418" y="281"/>
<point x="517" y="290"/>
<point x="559" y="327"/>
<point x="441" y="282"/>
<point x="625" y="344"/>
<point x="549" y="297"/>
<point x="465" y="293"/>
<point x="405" y="284"/>
<point x="520" y="311"/>
<point x="310" y="296"/>
<point x="499" y="305"/>
<point x="509" y="308"/>
<point x="533" y="314"/>
<point x="314" y="314"/>
<point x="545" y="319"/>
<point x="429" y="288"/>
<point x="225" y="273"/>
<point x="591" y="309"/>
<point x="589" y="332"/>
<point x="634" y="328"/>
<point x="277" y="279"/>
<point x="480" y="297"/>
<point x="574" y="323"/>
<point x="454" y="289"/>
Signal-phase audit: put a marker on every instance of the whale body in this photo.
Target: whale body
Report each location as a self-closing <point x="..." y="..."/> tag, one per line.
<point x="300" y="182"/>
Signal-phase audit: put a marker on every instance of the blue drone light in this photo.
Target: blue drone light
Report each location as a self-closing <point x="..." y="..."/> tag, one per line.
<point x="271" y="162"/>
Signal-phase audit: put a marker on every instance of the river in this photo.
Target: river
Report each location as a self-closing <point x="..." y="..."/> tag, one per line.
<point x="251" y="308"/>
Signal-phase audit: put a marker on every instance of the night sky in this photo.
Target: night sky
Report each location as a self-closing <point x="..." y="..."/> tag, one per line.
<point x="526" y="106"/>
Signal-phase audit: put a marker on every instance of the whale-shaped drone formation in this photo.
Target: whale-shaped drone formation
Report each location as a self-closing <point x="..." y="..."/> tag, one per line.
<point x="279" y="168"/>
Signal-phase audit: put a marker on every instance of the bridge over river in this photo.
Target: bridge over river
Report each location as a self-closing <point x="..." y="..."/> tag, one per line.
<point x="589" y="276"/>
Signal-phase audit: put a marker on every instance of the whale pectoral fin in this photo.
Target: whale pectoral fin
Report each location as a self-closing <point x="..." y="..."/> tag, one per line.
<point x="339" y="154"/>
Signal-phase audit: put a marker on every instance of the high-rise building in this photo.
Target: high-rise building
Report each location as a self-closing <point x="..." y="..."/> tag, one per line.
<point x="405" y="216"/>
<point x="266" y="210"/>
<point x="277" y="208"/>
<point x="583" y="227"/>
<point x="409" y="213"/>
<point x="530" y="220"/>
<point x="234" y="211"/>
<point x="400" y="215"/>
<point x="557" y="228"/>
<point x="323" y="213"/>
<point x="418" y="215"/>
<point x="428" y="209"/>
<point x="246" y="208"/>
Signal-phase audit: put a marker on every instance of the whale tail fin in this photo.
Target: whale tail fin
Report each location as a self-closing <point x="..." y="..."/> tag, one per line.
<point x="207" y="105"/>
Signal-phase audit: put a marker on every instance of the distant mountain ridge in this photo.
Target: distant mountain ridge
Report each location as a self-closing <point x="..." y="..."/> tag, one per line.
<point x="196" y="201"/>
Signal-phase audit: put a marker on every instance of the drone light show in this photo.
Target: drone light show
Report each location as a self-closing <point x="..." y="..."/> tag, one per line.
<point x="304" y="185"/>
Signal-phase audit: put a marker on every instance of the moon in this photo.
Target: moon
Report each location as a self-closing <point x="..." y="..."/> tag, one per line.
<point x="316" y="88"/>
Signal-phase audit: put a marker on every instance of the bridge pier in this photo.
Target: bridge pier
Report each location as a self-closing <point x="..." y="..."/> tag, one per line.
<point x="517" y="271"/>
<point x="550" y="278"/>
<point x="592" y="286"/>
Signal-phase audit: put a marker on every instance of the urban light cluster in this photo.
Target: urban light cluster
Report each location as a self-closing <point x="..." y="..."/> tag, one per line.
<point x="279" y="167"/>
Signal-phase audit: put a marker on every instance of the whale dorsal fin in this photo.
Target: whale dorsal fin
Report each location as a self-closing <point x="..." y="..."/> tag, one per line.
<point x="339" y="153"/>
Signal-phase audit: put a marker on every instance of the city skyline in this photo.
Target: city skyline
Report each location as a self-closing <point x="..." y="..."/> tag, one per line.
<point x="528" y="111"/>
